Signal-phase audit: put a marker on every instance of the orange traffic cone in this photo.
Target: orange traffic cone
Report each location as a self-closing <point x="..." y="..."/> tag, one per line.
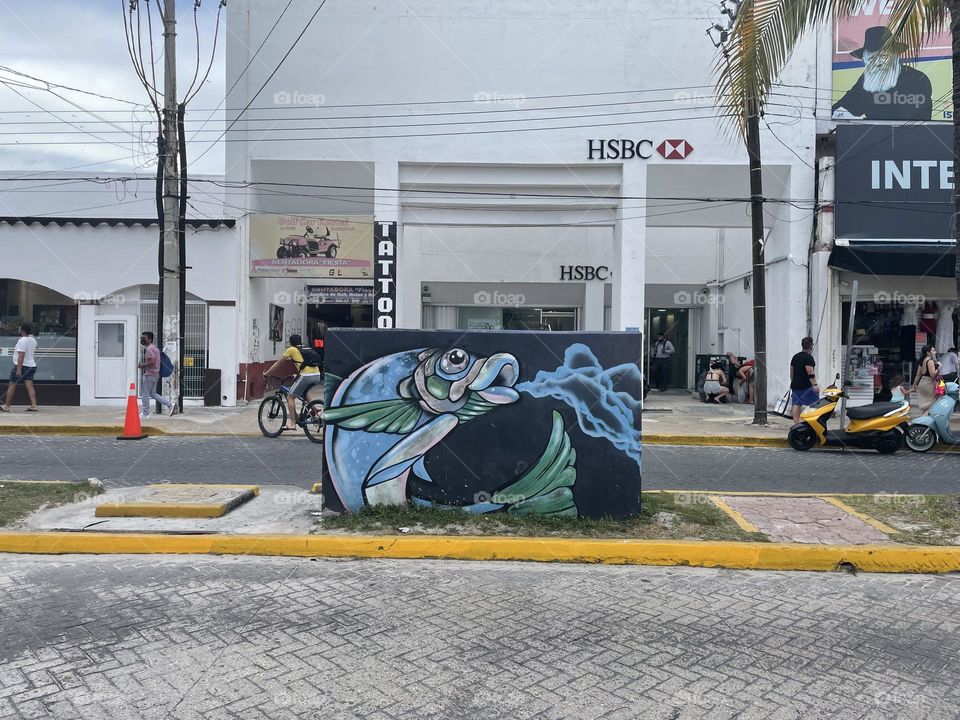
<point x="131" y="424"/>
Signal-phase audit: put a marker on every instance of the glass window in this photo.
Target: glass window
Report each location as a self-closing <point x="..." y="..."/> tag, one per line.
<point x="53" y="318"/>
<point x="520" y="318"/>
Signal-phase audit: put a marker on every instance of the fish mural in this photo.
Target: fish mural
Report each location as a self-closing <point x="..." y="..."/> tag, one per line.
<point x="393" y="418"/>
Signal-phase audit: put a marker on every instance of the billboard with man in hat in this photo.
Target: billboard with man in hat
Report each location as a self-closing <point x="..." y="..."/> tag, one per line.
<point x="874" y="80"/>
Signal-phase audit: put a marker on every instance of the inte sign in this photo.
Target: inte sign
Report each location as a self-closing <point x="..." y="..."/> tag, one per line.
<point x="625" y="149"/>
<point x="894" y="183"/>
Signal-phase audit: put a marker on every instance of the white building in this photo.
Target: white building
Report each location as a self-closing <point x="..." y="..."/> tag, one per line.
<point x="80" y="265"/>
<point x="548" y="164"/>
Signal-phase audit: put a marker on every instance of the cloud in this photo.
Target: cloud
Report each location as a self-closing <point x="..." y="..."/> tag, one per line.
<point x="82" y="44"/>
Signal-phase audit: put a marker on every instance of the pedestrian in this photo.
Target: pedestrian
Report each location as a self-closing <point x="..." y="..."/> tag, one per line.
<point x="803" y="382"/>
<point x="949" y="365"/>
<point x="151" y="376"/>
<point x="924" y="384"/>
<point x="714" y="384"/>
<point x="660" y="361"/>
<point x="24" y="368"/>
<point x="898" y="391"/>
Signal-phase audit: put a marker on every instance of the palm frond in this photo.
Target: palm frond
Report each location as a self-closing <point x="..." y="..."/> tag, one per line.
<point x="762" y="40"/>
<point x="913" y="21"/>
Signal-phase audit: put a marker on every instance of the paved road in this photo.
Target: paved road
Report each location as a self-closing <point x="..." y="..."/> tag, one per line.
<point x="201" y="637"/>
<point x="292" y="460"/>
<point x="295" y="461"/>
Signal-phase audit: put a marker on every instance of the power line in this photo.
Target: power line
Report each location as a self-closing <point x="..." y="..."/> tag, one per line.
<point x="269" y="78"/>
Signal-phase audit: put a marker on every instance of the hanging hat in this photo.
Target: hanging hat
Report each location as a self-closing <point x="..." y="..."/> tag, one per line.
<point x="874" y="39"/>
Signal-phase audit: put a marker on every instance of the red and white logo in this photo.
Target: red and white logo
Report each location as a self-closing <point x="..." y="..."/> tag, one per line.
<point x="674" y="149"/>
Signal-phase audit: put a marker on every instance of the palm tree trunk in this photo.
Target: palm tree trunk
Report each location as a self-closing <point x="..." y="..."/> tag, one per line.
<point x="954" y="6"/>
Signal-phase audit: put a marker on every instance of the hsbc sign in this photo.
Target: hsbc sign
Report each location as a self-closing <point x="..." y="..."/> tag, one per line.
<point x="625" y="149"/>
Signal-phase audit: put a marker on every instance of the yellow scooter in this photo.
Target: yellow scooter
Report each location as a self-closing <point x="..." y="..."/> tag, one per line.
<point x="879" y="426"/>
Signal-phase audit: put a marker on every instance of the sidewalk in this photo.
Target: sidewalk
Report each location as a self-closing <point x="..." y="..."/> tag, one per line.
<point x="109" y="421"/>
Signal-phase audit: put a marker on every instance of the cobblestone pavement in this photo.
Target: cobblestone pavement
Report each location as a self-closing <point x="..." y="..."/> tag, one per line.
<point x="294" y="460"/>
<point x="278" y="638"/>
<point x="805" y="520"/>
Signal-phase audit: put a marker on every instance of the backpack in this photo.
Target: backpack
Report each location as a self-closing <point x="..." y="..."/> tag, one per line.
<point x="310" y="357"/>
<point x="166" y="366"/>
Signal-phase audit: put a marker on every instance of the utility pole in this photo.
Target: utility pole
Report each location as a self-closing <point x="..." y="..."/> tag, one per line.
<point x="170" y="275"/>
<point x="759" y="266"/>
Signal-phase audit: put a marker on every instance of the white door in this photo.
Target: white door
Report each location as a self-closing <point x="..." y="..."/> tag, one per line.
<point x="114" y="356"/>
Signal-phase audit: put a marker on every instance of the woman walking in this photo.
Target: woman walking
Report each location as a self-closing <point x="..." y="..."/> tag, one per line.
<point x="925" y="381"/>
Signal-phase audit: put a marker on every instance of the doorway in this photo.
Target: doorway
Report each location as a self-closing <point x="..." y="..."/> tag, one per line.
<point x="674" y="323"/>
<point x="115" y="356"/>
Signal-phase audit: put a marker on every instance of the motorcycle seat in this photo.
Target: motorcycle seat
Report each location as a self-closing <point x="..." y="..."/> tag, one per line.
<point x="878" y="409"/>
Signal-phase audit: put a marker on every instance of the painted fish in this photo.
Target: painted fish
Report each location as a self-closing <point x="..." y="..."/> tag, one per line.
<point x="385" y="417"/>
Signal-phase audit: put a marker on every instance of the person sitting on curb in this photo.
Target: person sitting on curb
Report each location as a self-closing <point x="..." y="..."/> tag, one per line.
<point x="714" y="383"/>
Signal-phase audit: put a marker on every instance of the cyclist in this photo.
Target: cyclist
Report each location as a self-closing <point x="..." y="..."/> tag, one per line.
<point x="307" y="376"/>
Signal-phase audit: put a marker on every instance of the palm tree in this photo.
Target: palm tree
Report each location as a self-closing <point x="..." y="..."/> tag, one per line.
<point x="760" y="44"/>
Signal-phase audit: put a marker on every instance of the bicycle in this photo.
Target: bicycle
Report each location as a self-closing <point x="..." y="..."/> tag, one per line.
<point x="272" y="415"/>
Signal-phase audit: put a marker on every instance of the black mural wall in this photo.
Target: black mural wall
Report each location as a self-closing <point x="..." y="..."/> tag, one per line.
<point x="521" y="422"/>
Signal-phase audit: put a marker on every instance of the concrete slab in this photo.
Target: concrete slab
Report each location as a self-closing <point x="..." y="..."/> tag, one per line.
<point x="804" y="520"/>
<point x="279" y="509"/>
<point x="176" y="500"/>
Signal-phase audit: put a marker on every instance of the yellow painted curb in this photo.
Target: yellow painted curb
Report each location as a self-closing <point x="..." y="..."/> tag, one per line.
<point x="735" y="515"/>
<point x="745" y="555"/>
<point x="317" y="488"/>
<point x="863" y="517"/>
<point x="715" y="440"/>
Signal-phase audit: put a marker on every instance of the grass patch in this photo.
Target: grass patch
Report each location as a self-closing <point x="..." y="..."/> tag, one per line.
<point x="921" y="519"/>
<point x="662" y="517"/>
<point x="19" y="499"/>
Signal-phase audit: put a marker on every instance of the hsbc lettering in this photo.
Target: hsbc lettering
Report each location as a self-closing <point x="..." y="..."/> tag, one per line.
<point x="619" y="149"/>
<point x="584" y="272"/>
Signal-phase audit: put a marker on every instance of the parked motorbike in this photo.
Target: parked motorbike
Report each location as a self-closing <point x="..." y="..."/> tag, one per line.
<point x="309" y="245"/>
<point x="879" y="426"/>
<point x="927" y="430"/>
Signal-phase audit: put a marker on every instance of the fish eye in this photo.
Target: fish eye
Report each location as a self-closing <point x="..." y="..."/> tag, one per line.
<point x="454" y="361"/>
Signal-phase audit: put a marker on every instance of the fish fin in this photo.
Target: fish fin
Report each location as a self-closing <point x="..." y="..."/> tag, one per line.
<point x="408" y="451"/>
<point x="420" y="470"/>
<point x="546" y="487"/>
<point x="330" y="384"/>
<point x="397" y="416"/>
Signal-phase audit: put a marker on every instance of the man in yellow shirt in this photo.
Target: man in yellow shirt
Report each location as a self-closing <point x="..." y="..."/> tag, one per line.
<point x="307" y="377"/>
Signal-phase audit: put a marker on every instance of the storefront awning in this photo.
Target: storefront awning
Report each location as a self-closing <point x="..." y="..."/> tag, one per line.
<point x="893" y="258"/>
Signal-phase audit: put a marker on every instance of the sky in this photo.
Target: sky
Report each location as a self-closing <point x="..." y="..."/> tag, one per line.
<point x="81" y="44"/>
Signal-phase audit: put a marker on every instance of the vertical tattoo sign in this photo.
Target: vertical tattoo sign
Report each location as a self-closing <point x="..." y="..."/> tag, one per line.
<point x="385" y="274"/>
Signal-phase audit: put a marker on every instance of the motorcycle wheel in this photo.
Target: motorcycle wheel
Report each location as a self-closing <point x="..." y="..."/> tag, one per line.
<point x="921" y="438"/>
<point x="282" y="252"/>
<point x="801" y="438"/>
<point x="889" y="443"/>
<point x="332" y="251"/>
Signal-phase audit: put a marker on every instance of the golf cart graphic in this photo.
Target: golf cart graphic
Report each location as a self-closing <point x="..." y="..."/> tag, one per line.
<point x="309" y="244"/>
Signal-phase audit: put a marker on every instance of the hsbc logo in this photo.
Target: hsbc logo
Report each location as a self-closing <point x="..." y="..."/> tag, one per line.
<point x="624" y="149"/>
<point x="674" y="149"/>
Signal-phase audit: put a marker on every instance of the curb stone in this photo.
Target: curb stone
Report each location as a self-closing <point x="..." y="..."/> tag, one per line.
<point x="732" y="555"/>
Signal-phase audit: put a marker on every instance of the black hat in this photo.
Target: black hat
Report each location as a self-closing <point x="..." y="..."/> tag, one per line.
<point x="875" y="38"/>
